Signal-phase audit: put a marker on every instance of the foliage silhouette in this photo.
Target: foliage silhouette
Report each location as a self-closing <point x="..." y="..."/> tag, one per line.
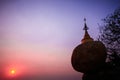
<point x="110" y="36"/>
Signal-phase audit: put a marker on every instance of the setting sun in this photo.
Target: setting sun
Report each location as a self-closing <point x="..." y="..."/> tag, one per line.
<point x="12" y="71"/>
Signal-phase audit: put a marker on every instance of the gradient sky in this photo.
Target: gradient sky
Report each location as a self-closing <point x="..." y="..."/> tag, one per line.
<point x="37" y="37"/>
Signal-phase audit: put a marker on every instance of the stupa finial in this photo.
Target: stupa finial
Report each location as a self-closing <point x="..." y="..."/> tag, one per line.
<point x="85" y="25"/>
<point x="86" y="37"/>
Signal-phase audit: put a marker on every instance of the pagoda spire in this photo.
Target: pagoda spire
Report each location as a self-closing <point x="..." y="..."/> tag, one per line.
<point x="86" y="37"/>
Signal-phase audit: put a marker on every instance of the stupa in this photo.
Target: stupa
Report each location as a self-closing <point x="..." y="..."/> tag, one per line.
<point x="90" y="55"/>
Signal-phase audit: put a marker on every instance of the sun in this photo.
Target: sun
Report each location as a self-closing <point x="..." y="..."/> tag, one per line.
<point x="12" y="72"/>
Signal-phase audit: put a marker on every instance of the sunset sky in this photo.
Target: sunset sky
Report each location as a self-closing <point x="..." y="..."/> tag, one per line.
<point x="37" y="37"/>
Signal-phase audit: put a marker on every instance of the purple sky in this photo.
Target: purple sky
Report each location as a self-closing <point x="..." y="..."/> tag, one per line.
<point x="37" y="37"/>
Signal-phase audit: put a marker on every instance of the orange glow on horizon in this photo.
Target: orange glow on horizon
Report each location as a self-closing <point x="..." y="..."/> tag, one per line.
<point x="13" y="71"/>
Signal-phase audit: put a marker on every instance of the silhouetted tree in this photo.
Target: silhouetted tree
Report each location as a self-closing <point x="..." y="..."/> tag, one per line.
<point x="110" y="36"/>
